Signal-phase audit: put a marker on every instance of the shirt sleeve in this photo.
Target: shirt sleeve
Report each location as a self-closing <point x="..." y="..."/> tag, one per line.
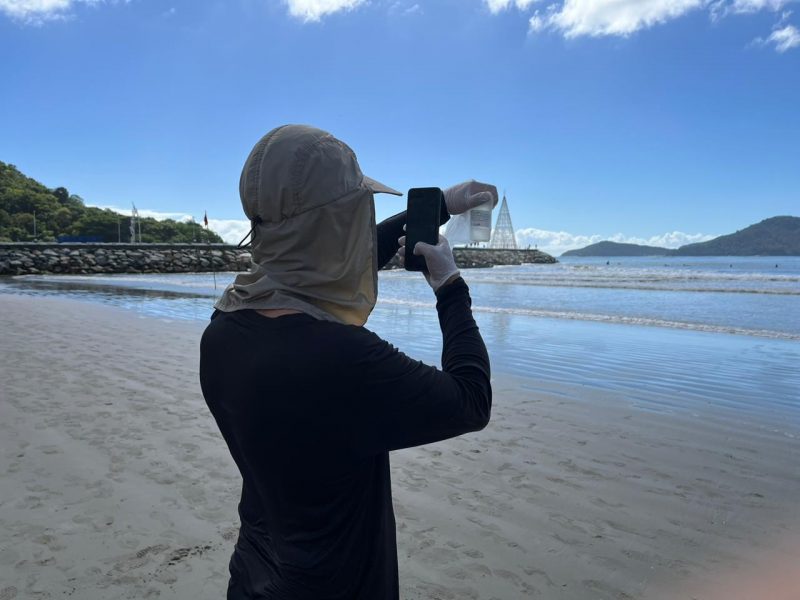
<point x="400" y="402"/>
<point x="389" y="230"/>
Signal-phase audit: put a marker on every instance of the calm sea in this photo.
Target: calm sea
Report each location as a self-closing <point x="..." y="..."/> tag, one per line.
<point x="666" y="333"/>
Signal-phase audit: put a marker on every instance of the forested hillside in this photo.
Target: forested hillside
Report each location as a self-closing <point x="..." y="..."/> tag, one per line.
<point x="618" y="249"/>
<point x="59" y="213"/>
<point x="778" y="236"/>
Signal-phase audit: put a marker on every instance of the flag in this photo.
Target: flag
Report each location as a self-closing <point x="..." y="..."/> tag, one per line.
<point x="205" y="218"/>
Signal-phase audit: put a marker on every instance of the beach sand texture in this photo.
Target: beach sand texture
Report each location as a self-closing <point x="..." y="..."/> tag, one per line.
<point x="116" y="483"/>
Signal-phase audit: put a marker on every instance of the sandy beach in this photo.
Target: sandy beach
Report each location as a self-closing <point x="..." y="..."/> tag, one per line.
<point x="115" y="483"/>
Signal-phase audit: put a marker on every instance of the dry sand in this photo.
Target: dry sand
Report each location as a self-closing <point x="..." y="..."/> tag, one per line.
<point x="116" y="484"/>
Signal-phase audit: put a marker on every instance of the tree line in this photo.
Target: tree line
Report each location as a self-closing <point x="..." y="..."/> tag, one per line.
<point x="58" y="213"/>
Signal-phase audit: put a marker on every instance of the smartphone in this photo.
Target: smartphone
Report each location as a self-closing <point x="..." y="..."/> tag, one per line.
<point x="422" y="223"/>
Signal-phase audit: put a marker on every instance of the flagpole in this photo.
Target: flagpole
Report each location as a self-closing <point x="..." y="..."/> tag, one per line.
<point x="208" y="241"/>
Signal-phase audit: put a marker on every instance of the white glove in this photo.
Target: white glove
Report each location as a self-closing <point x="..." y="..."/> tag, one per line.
<point x="463" y="196"/>
<point x="441" y="266"/>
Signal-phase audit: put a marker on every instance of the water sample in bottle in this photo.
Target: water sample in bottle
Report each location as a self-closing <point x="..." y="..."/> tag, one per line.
<point x="480" y="222"/>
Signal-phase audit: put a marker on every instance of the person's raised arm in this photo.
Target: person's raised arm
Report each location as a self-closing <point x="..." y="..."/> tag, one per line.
<point x="457" y="199"/>
<point x="392" y="228"/>
<point x="388" y="231"/>
<point x="400" y="402"/>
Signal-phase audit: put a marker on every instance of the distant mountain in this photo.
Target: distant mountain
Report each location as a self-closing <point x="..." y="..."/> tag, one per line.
<point x="778" y="236"/>
<point x="616" y="249"/>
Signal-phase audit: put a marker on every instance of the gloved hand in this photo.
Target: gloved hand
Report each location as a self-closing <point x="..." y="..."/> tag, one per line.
<point x="439" y="260"/>
<point x="463" y="196"/>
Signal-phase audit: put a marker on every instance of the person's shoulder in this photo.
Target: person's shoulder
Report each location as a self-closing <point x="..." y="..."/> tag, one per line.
<point x="351" y="343"/>
<point x="352" y="334"/>
<point x="219" y="320"/>
<point x="217" y="330"/>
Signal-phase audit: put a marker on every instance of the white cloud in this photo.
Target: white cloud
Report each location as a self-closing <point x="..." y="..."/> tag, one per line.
<point x="616" y="17"/>
<point x="537" y="23"/>
<point x="595" y="18"/>
<point x="496" y="6"/>
<point x="783" y="39"/>
<point x="314" y="10"/>
<point x="723" y="8"/>
<point x="750" y="6"/>
<point x="147" y="213"/>
<point x="405" y="8"/>
<point x="230" y="230"/>
<point x="36" y="12"/>
<point x="558" y="242"/>
<point x="552" y="242"/>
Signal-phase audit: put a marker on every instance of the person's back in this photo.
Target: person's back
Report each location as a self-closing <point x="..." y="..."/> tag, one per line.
<point x="284" y="394"/>
<point x="309" y="408"/>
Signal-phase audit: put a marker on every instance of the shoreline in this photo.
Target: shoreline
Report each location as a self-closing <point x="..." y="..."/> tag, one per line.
<point x="70" y="285"/>
<point x="675" y="369"/>
<point x="117" y="484"/>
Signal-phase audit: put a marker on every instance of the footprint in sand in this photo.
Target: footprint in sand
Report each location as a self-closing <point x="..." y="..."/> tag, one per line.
<point x="508" y="576"/>
<point x="50" y="541"/>
<point x="29" y="502"/>
<point x="607" y="590"/>
<point x="100" y="489"/>
<point x="182" y="553"/>
<point x="8" y="593"/>
<point x="139" y="559"/>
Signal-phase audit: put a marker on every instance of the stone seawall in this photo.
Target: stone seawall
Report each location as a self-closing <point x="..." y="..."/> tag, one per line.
<point x="23" y="259"/>
<point x="475" y="258"/>
<point x="31" y="259"/>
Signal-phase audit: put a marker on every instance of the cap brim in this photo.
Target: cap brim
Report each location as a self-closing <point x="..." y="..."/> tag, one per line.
<point x="378" y="188"/>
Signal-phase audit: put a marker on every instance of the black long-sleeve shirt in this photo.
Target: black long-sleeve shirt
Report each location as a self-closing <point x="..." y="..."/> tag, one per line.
<point x="309" y="410"/>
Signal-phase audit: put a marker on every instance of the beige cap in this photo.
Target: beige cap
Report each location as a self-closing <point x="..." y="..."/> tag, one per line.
<point x="296" y="168"/>
<point x="314" y="245"/>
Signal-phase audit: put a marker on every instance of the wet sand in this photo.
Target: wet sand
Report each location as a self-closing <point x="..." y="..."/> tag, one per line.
<point x="114" y="482"/>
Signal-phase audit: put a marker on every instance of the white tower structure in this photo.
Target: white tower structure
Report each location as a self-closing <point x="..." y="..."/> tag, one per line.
<point x="134" y="222"/>
<point x="503" y="237"/>
<point x="134" y="214"/>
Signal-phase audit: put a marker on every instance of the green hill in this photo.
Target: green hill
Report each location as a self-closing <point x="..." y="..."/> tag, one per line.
<point x="58" y="213"/>
<point x="778" y="236"/>
<point x="617" y="249"/>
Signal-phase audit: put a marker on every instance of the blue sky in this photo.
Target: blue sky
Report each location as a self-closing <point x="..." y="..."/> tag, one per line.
<point x="658" y="121"/>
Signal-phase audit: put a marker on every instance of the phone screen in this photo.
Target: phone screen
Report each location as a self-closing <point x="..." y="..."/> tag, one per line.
<point x="422" y="223"/>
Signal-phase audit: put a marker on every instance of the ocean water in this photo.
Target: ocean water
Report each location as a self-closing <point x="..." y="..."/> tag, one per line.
<point x="666" y="334"/>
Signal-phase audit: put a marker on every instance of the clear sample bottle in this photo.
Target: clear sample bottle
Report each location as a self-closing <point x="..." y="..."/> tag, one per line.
<point x="480" y="222"/>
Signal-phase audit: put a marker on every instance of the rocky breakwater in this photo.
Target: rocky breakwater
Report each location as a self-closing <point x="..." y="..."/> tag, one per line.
<point x="25" y="259"/>
<point x="481" y="258"/>
<point x="488" y="257"/>
<point x="32" y="259"/>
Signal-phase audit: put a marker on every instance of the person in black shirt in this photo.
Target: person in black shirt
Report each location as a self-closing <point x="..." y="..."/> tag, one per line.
<point x="309" y="401"/>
